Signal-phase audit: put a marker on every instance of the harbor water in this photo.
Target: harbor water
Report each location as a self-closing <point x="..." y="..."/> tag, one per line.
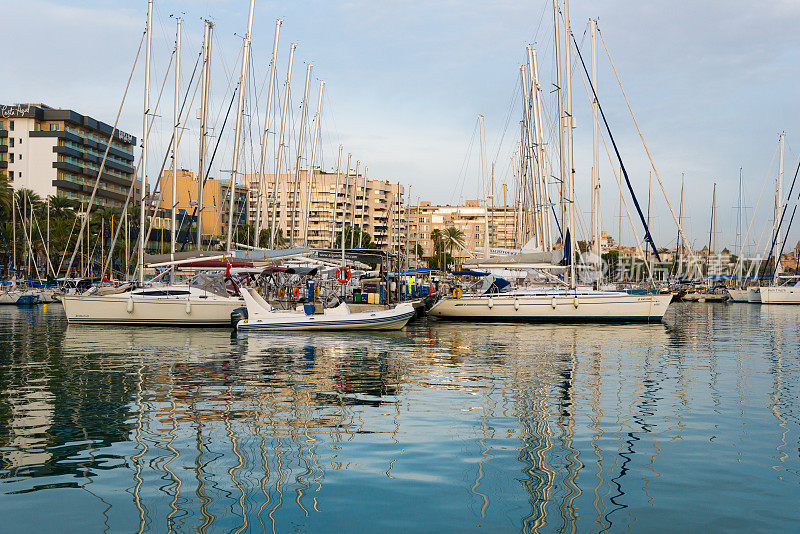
<point x="692" y="424"/>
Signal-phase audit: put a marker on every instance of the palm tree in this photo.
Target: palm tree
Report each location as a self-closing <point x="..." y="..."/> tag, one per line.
<point x="453" y="237"/>
<point x="60" y="206"/>
<point x="6" y="193"/>
<point x="438" y="242"/>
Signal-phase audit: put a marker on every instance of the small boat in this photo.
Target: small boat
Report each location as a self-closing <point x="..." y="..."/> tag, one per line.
<point x="754" y="294"/>
<point x="263" y="317"/>
<point x="785" y="294"/>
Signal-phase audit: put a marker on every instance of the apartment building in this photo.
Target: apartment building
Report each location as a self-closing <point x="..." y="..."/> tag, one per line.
<point x="58" y="152"/>
<point x="470" y="219"/>
<point x="377" y="206"/>
<point x="216" y="209"/>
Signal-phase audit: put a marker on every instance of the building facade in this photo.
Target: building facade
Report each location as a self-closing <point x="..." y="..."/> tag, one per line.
<point x="58" y="152"/>
<point x="376" y="206"/>
<point x="470" y="219"/>
<point x="216" y="209"/>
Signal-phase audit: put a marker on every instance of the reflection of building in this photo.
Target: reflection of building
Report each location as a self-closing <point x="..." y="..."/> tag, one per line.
<point x="58" y="152"/>
<point x="215" y="201"/>
<point x="382" y="207"/>
<point x="470" y="219"/>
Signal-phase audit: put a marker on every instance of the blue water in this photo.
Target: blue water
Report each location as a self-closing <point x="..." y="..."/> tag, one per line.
<point x="690" y="425"/>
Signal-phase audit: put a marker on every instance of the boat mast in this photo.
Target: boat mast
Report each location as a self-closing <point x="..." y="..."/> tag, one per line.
<point x="175" y="138"/>
<point x="363" y="208"/>
<point x="485" y="203"/>
<point x="336" y="197"/>
<point x="779" y="206"/>
<point x="146" y="122"/>
<point x="540" y="157"/>
<point x="239" y="119"/>
<point x="353" y="214"/>
<point x="209" y="28"/>
<point x="528" y="140"/>
<point x="560" y="126"/>
<point x="299" y="155"/>
<point x="279" y="160"/>
<point x="313" y="160"/>
<point x="740" y="236"/>
<point x="679" y="243"/>
<point x="272" y="66"/>
<point x="570" y="163"/>
<point x="596" y="156"/>
<point x="346" y="195"/>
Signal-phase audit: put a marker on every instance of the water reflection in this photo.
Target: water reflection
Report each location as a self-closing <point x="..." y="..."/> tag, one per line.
<point x="441" y="427"/>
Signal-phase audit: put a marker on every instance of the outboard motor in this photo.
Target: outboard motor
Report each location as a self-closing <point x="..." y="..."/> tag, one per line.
<point x="239" y="314"/>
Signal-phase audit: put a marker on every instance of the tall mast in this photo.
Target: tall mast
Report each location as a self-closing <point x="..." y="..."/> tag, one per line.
<point x="779" y="205"/>
<point x="528" y="140"/>
<point x="353" y="213"/>
<point x="281" y="138"/>
<point x="203" y="128"/>
<point x="146" y="122"/>
<point x="336" y="197"/>
<point x="570" y="164"/>
<point x="485" y="203"/>
<point x="272" y="66"/>
<point x="313" y="160"/>
<point x="741" y="236"/>
<point x="346" y="194"/>
<point x="175" y="123"/>
<point x="540" y="157"/>
<point x="560" y="126"/>
<point x="299" y="155"/>
<point x="239" y="118"/>
<point x="363" y="208"/>
<point x="679" y="243"/>
<point x="596" y="154"/>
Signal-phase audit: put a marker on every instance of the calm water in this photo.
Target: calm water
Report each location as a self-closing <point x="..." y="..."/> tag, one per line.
<point x="445" y="427"/>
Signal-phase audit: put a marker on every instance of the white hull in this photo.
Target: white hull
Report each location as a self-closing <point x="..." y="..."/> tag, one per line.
<point x="264" y="318"/>
<point x="754" y="294"/>
<point x="738" y="295"/>
<point x="555" y="307"/>
<point x="780" y="295"/>
<point x="128" y="309"/>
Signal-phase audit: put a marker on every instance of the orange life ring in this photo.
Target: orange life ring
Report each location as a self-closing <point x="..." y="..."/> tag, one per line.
<point x="296" y="292"/>
<point x="343" y="279"/>
<point x="457" y="293"/>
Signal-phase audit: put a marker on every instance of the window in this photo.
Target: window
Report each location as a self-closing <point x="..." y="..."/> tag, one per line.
<point x="20" y="157"/>
<point x="11" y="125"/>
<point x="11" y="174"/>
<point x="2" y="125"/>
<point x="11" y="141"/>
<point x="20" y="175"/>
<point x="20" y="140"/>
<point x="11" y="156"/>
<point x="54" y="127"/>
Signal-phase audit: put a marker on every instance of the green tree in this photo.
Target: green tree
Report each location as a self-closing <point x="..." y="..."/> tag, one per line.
<point x="453" y="238"/>
<point x="355" y="232"/>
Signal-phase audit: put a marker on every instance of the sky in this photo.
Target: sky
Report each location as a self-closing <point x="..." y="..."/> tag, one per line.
<point x="712" y="85"/>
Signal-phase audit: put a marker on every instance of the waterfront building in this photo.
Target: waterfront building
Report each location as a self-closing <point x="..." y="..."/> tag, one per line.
<point x="470" y="219"/>
<point x="379" y="209"/>
<point x="58" y="152"/>
<point x="216" y="208"/>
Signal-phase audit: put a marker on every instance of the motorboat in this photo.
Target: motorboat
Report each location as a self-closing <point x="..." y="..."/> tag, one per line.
<point x="738" y="295"/>
<point x="203" y="302"/>
<point x="261" y="316"/>
<point x="554" y="305"/>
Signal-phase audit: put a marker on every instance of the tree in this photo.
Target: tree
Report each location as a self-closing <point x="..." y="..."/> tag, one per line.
<point x="6" y="193"/>
<point x="454" y="238"/>
<point x="356" y="233"/>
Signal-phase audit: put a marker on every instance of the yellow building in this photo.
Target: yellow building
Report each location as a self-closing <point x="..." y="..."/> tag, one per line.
<point x="216" y="208"/>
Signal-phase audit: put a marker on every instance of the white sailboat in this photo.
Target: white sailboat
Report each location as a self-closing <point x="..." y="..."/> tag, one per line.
<point x="177" y="305"/>
<point x="550" y="304"/>
<point x="263" y="317"/>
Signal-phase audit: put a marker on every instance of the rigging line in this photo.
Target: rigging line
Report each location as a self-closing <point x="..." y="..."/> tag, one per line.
<point x="776" y="233"/>
<point x="464" y="165"/>
<point x="755" y="210"/>
<point x="647" y="234"/>
<point x="641" y="136"/>
<point x="84" y="221"/>
<point x="516" y="91"/>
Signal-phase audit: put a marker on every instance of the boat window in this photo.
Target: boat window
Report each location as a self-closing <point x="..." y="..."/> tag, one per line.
<point x="161" y="293"/>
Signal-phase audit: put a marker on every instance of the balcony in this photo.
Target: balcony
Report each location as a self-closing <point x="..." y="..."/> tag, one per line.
<point x="3" y="133"/>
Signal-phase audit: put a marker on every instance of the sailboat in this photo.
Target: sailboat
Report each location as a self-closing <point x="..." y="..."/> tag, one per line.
<point x="201" y="302"/>
<point x="552" y="304"/>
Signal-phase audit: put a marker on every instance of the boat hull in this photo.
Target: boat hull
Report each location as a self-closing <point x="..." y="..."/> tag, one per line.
<point x="754" y="294"/>
<point x="380" y="320"/>
<point x="780" y="295"/>
<point x="738" y="295"/>
<point x="114" y="309"/>
<point x="555" y="308"/>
